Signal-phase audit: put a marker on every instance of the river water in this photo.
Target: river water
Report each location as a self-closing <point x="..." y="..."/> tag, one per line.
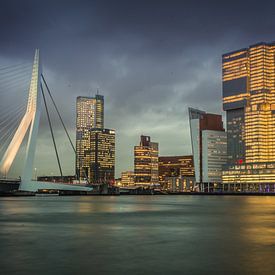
<point x="137" y="235"/>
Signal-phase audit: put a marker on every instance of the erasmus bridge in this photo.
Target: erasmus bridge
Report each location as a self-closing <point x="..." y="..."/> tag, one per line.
<point x="28" y="128"/>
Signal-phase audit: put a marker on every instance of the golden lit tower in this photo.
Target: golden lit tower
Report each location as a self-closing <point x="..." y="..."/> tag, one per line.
<point x="146" y="162"/>
<point x="249" y="101"/>
<point x="235" y="94"/>
<point x="260" y="110"/>
<point x="89" y="115"/>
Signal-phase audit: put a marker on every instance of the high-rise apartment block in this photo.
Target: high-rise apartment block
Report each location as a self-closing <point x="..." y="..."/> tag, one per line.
<point x="249" y="102"/>
<point x="95" y="146"/>
<point x="208" y="140"/>
<point x="146" y="162"/>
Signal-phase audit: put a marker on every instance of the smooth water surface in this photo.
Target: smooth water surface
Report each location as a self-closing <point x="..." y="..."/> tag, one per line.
<point x="137" y="235"/>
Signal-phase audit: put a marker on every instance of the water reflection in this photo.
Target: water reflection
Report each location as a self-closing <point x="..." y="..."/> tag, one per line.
<point x="148" y="234"/>
<point x="259" y="220"/>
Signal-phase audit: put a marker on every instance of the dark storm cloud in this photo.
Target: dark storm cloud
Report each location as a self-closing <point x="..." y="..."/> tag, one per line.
<point x="150" y="59"/>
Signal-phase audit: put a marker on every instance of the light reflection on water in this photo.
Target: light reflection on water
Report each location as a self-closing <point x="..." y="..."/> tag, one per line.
<point x="137" y="235"/>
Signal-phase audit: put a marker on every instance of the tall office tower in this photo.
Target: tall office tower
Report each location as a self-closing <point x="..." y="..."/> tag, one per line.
<point x="208" y="140"/>
<point x="89" y="115"/>
<point x="102" y="155"/>
<point x="90" y="112"/>
<point x="146" y="162"/>
<point x="249" y="102"/>
<point x="235" y="95"/>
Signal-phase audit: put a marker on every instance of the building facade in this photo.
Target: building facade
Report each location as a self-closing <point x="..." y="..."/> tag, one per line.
<point x="175" y="166"/>
<point x="249" y="102"/>
<point x="146" y="162"/>
<point x="102" y="156"/>
<point x="176" y="173"/>
<point x="208" y="140"/>
<point x="214" y="155"/>
<point x="95" y="146"/>
<point x="127" y="178"/>
<point x="89" y="112"/>
<point x="180" y="184"/>
<point x="235" y="95"/>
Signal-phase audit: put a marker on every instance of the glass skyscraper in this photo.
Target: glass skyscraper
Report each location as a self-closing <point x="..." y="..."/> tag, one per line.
<point x="95" y="146"/>
<point x="102" y="154"/>
<point x="249" y="102"/>
<point x="208" y="140"/>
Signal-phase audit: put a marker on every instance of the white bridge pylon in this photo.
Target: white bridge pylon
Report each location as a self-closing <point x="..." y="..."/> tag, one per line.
<point x="31" y="118"/>
<point x="30" y="121"/>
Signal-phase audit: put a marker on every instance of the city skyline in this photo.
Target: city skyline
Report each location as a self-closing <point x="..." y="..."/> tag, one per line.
<point x="141" y="75"/>
<point x="137" y="137"/>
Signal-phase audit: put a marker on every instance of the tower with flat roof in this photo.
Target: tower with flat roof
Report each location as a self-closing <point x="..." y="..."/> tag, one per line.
<point x="249" y="102"/>
<point x="146" y="162"/>
<point x="95" y="145"/>
<point x="89" y="115"/>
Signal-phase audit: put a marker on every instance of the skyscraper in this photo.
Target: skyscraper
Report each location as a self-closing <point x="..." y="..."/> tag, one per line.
<point x="102" y="155"/>
<point x="94" y="144"/>
<point x="235" y="95"/>
<point x="89" y="112"/>
<point x="89" y="115"/>
<point x="249" y="102"/>
<point x="146" y="162"/>
<point x="208" y="140"/>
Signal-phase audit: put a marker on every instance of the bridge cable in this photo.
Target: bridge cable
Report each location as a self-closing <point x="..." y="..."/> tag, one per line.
<point x="5" y="143"/>
<point x="59" y="115"/>
<point x="50" y="124"/>
<point x="10" y="67"/>
<point x="63" y="124"/>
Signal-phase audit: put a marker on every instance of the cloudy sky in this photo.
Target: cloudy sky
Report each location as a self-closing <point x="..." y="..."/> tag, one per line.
<point x="150" y="59"/>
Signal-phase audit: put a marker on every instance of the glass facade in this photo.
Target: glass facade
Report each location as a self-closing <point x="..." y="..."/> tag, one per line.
<point x="194" y="120"/>
<point x="250" y="106"/>
<point x="89" y="115"/>
<point x="208" y="140"/>
<point x="214" y="155"/>
<point x="235" y="86"/>
<point x="102" y="155"/>
<point x="235" y="133"/>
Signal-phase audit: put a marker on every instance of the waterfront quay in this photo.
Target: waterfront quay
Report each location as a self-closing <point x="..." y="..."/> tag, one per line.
<point x="10" y="187"/>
